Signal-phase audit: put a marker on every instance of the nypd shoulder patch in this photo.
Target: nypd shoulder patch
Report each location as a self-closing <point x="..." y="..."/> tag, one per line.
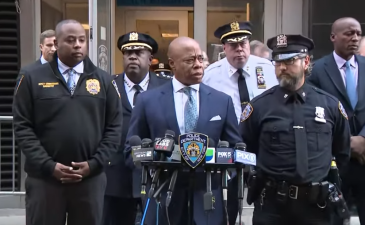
<point x="116" y="87"/>
<point x="246" y="112"/>
<point x="342" y="110"/>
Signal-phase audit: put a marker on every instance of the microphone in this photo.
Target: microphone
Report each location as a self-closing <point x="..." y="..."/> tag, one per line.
<point x="210" y="154"/>
<point x="140" y="153"/>
<point x="208" y="196"/>
<point x="135" y="142"/>
<point x="171" y="188"/>
<point x="165" y="147"/>
<point x="224" y="153"/>
<point x="176" y="154"/>
<point x="240" y="147"/>
<point x="145" y="144"/>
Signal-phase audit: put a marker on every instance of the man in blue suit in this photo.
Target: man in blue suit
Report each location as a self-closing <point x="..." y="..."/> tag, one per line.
<point x="185" y="105"/>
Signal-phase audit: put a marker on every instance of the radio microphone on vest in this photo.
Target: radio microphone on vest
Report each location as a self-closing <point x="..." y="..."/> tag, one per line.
<point x="242" y="148"/>
<point x="146" y="145"/>
<point x="165" y="146"/>
<point x="208" y="196"/>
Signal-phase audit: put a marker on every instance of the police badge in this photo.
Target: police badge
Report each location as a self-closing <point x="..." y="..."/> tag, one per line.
<point x="281" y="41"/>
<point x="133" y="36"/>
<point x="193" y="148"/>
<point x="235" y="26"/>
<point x="93" y="86"/>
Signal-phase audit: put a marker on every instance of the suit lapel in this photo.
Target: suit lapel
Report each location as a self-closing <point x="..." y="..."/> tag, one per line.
<point x="360" y="80"/>
<point x="204" y="106"/>
<point x="167" y="105"/>
<point x="125" y="101"/>
<point x="334" y="73"/>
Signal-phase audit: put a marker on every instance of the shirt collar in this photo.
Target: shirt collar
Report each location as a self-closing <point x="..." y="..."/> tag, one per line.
<point x="300" y="94"/>
<point x="341" y="62"/>
<point x="43" y="61"/>
<point x="232" y="70"/>
<point x="79" y="68"/>
<point x="143" y="84"/>
<point x="178" y="86"/>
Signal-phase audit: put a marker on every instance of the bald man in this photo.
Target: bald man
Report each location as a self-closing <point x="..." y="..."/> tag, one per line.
<point x="185" y="105"/>
<point x="342" y="74"/>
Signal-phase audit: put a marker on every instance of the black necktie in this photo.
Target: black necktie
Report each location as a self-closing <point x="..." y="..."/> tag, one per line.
<point x="300" y="140"/>
<point x="242" y="88"/>
<point x="138" y="90"/>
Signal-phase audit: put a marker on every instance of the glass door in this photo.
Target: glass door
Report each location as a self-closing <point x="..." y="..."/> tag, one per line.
<point x="100" y="33"/>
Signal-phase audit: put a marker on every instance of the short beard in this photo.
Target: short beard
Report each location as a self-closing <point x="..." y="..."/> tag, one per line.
<point x="290" y="82"/>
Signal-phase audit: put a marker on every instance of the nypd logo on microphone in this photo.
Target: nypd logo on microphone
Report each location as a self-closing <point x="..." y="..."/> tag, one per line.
<point x="193" y="148"/>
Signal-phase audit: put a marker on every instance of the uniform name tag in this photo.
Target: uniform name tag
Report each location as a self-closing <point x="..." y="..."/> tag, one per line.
<point x="48" y="85"/>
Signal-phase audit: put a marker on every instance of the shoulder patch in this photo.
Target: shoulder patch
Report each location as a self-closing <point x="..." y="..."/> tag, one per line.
<point x="246" y="112"/>
<point x="116" y="87"/>
<point x="342" y="110"/>
<point x="18" y="84"/>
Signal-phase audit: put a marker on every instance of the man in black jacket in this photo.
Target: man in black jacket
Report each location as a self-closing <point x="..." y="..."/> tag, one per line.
<point x="68" y="122"/>
<point x="122" y="195"/>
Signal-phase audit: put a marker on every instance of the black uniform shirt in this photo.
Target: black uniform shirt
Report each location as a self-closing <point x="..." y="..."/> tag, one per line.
<point x="267" y="128"/>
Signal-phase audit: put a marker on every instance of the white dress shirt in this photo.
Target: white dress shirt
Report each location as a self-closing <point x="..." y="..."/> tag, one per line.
<point x="79" y="68"/>
<point x="341" y="66"/>
<point x="43" y="61"/>
<point x="180" y="99"/>
<point x="130" y="91"/>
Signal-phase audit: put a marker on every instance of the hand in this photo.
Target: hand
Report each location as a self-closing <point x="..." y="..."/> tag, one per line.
<point x="358" y="148"/>
<point x="83" y="168"/>
<point x="62" y="172"/>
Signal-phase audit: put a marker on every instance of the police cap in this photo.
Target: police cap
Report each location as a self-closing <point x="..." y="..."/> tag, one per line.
<point x="288" y="46"/>
<point x="162" y="69"/>
<point x="137" y="41"/>
<point x="234" y="32"/>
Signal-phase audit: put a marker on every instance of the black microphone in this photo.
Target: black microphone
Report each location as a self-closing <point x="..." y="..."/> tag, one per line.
<point x="223" y="147"/>
<point x="240" y="147"/>
<point x="208" y="196"/>
<point x="171" y="187"/>
<point x="164" y="146"/>
<point x="145" y="143"/>
<point x="135" y="142"/>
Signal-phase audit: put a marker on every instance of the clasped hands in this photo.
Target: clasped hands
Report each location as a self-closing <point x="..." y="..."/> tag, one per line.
<point x="67" y="174"/>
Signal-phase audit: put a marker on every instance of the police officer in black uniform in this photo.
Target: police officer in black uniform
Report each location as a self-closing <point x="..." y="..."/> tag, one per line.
<point x="162" y="70"/>
<point x="123" y="191"/>
<point x="294" y="129"/>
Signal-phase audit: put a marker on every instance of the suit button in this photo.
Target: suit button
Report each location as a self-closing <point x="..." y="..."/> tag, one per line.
<point x="109" y="163"/>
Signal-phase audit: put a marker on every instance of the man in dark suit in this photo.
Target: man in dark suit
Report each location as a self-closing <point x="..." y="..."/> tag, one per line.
<point x="47" y="48"/>
<point x="123" y="192"/>
<point x="342" y="74"/>
<point x="185" y="105"/>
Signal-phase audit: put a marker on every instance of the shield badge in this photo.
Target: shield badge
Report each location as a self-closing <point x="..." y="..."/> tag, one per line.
<point x="193" y="148"/>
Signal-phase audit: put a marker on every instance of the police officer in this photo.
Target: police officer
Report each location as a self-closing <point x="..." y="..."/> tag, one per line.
<point x="68" y="122"/>
<point x="123" y="191"/>
<point x="162" y="70"/>
<point x="294" y="129"/>
<point x="242" y="76"/>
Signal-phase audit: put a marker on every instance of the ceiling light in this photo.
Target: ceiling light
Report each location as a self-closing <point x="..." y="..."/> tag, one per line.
<point x="168" y="35"/>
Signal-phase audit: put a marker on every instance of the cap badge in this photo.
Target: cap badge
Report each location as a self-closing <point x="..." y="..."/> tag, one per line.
<point x="235" y="26"/>
<point x="133" y="36"/>
<point x="282" y="41"/>
<point x="160" y="66"/>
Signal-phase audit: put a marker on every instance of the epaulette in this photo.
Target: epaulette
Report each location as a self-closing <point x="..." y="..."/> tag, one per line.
<point x="213" y="66"/>
<point x="320" y="91"/>
<point x="265" y="93"/>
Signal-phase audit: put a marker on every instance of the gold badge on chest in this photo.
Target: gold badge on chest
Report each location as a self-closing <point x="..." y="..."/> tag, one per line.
<point x="261" y="84"/>
<point x="93" y="86"/>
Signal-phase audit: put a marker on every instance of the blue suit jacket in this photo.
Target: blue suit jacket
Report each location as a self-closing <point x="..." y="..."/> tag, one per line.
<point x="154" y="113"/>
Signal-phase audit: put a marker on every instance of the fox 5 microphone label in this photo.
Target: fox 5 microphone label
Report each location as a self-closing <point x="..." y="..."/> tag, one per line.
<point x="246" y="158"/>
<point x="193" y="148"/>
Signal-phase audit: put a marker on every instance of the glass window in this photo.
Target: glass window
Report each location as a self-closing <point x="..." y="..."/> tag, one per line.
<point x="221" y="12"/>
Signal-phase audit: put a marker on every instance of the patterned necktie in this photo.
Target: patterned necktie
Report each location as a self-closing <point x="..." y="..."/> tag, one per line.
<point x="70" y="81"/>
<point x="138" y="90"/>
<point x="351" y="85"/>
<point x="190" y="111"/>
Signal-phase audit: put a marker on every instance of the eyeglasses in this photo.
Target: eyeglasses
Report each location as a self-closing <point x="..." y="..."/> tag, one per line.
<point x="287" y="62"/>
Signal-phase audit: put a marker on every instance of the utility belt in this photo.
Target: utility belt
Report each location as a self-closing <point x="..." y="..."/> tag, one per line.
<point x="324" y="194"/>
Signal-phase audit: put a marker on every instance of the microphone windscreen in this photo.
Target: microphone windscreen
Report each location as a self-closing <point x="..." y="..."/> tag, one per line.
<point x="135" y="141"/>
<point x="146" y="142"/>
<point x="170" y="133"/>
<point x="240" y="145"/>
<point x="211" y="143"/>
<point x="223" y="144"/>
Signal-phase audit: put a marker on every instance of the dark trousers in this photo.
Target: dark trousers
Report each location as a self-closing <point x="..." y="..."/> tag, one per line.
<point x="298" y="212"/>
<point x="353" y="186"/>
<point x="232" y="200"/>
<point x="48" y="202"/>
<point x="120" y="211"/>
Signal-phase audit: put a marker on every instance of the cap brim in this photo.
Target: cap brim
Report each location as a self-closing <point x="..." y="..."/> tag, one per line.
<point x="281" y="57"/>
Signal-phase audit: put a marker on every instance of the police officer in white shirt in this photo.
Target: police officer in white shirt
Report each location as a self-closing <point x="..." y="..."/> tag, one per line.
<point x="243" y="77"/>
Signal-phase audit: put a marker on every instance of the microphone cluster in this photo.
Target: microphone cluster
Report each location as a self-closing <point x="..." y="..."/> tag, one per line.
<point x="165" y="150"/>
